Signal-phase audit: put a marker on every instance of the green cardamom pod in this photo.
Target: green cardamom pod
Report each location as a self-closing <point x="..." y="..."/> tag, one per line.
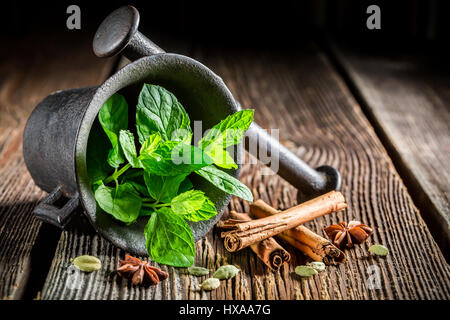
<point x="198" y="271"/>
<point x="210" y="284"/>
<point x="379" y="250"/>
<point x="87" y="263"/>
<point x="317" y="265"/>
<point x="226" y="272"/>
<point x="305" y="271"/>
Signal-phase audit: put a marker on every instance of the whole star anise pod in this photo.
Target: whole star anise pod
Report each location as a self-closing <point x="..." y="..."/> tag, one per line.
<point x="140" y="272"/>
<point x="346" y="235"/>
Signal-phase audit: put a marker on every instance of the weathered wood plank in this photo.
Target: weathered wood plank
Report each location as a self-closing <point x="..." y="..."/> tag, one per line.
<point x="298" y="92"/>
<point x="26" y="77"/>
<point x="408" y="98"/>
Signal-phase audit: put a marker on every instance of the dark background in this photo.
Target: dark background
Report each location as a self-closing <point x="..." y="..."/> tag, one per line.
<point x="270" y="24"/>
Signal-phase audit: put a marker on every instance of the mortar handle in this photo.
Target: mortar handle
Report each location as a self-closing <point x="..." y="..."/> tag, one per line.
<point x="48" y="212"/>
<point x="118" y="33"/>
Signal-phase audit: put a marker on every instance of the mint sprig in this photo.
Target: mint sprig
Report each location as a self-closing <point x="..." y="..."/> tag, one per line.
<point x="154" y="183"/>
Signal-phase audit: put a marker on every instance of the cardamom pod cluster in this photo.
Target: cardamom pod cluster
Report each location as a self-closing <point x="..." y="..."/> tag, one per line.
<point x="223" y="273"/>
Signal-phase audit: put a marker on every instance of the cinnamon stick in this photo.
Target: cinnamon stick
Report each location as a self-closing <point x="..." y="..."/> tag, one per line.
<point x="269" y="251"/>
<point x="243" y="234"/>
<point x="310" y="243"/>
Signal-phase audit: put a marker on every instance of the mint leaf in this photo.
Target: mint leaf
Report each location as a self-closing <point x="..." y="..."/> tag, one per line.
<point x="188" y="202"/>
<point x="163" y="189"/>
<point x="169" y="239"/>
<point x="220" y="156"/>
<point x="126" y="140"/>
<point x="225" y="182"/>
<point x="206" y="212"/>
<point x="226" y="133"/>
<point x="174" y="158"/>
<point x="193" y="205"/>
<point x="113" y="117"/>
<point x="150" y="144"/>
<point x="123" y="202"/>
<point x="182" y="135"/>
<point x="230" y="130"/>
<point x="158" y="110"/>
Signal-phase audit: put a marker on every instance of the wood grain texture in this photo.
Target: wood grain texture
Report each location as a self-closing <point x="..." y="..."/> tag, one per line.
<point x="299" y="92"/>
<point x="408" y="98"/>
<point x="26" y="77"/>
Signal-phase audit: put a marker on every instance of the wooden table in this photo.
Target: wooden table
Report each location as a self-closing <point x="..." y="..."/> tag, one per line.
<point x="382" y="121"/>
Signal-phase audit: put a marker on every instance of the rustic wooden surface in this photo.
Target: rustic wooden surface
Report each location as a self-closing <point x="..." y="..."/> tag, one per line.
<point x="29" y="71"/>
<point x="409" y="101"/>
<point x="299" y="92"/>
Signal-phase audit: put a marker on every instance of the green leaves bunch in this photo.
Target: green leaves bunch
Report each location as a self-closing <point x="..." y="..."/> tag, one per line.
<point x="150" y="177"/>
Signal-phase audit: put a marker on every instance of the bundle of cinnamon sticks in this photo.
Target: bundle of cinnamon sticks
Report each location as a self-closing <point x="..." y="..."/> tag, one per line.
<point x="258" y="229"/>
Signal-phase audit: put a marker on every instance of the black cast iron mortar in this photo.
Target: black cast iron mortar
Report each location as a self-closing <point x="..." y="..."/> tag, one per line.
<point x="57" y="132"/>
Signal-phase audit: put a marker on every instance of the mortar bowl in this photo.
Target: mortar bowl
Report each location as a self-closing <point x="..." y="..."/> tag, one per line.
<point x="58" y="132"/>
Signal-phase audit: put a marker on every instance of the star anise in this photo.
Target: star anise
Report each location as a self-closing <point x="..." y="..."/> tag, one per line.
<point x="346" y="235"/>
<point x="140" y="272"/>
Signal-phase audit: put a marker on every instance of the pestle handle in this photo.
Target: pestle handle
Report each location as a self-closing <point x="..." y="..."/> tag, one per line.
<point x="310" y="182"/>
<point x="118" y="33"/>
